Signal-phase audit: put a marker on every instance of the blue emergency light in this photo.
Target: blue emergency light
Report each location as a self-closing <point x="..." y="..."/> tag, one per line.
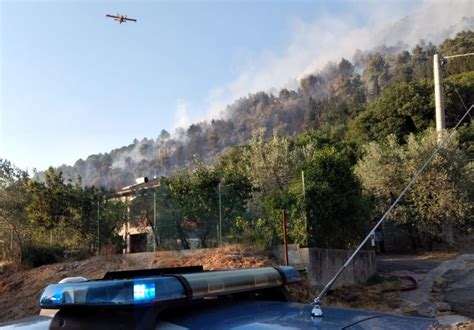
<point x="143" y="291"/>
<point x="164" y="288"/>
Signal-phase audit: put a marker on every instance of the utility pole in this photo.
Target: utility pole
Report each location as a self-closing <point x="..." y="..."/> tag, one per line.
<point x="438" y="61"/>
<point x="154" y="220"/>
<point x="285" y="242"/>
<point x="98" y="228"/>
<point x="439" y="95"/>
<point x="127" y="236"/>
<point x="303" y="184"/>
<point x="219" y="238"/>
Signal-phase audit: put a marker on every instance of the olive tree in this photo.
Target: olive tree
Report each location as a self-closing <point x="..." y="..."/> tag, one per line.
<point x="441" y="196"/>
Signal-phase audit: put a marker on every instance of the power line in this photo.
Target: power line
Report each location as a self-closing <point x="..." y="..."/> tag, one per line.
<point x="459" y="55"/>
<point x="462" y="101"/>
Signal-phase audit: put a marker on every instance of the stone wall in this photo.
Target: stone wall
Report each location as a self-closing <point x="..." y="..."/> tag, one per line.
<point x="296" y="256"/>
<point x="322" y="264"/>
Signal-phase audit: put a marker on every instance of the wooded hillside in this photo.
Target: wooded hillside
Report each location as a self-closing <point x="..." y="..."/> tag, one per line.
<point x="378" y="92"/>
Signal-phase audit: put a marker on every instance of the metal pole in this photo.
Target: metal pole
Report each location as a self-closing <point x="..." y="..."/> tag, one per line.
<point x="219" y="238"/>
<point x="154" y="220"/>
<point x="439" y="96"/>
<point x="127" y="236"/>
<point x="285" y="242"/>
<point x="302" y="181"/>
<point x="98" y="227"/>
<point x="304" y="205"/>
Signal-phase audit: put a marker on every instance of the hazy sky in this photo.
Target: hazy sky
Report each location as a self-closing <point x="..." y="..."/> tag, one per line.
<point x="74" y="83"/>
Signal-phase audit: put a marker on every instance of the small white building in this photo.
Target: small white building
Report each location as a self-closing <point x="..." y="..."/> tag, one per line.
<point x="137" y="233"/>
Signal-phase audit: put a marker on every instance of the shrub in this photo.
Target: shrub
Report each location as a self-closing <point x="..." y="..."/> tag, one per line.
<point x="38" y="255"/>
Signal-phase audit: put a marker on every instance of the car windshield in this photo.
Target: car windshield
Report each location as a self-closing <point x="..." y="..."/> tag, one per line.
<point x="237" y="134"/>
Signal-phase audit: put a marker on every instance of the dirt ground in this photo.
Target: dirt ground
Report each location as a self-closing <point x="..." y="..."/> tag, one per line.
<point x="20" y="290"/>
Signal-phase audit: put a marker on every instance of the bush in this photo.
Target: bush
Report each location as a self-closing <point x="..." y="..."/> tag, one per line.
<point x="76" y="254"/>
<point x="336" y="209"/>
<point x="38" y="255"/>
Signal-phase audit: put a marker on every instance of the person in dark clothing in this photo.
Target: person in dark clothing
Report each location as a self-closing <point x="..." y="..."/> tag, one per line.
<point x="377" y="239"/>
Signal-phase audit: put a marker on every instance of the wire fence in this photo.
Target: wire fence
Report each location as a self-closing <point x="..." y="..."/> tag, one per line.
<point x="162" y="218"/>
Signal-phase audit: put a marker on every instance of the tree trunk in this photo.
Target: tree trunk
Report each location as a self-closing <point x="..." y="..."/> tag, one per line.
<point x="182" y="236"/>
<point x="448" y="233"/>
<point x="20" y="243"/>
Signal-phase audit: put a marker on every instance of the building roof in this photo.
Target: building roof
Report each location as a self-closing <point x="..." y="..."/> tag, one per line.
<point x="142" y="183"/>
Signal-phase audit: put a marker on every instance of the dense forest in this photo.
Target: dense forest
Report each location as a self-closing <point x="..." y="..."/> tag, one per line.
<point x="346" y="100"/>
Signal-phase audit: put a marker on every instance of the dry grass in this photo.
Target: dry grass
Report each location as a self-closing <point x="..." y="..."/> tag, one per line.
<point x="302" y="292"/>
<point x="380" y="294"/>
<point x="371" y="297"/>
<point x="20" y="290"/>
<point x="463" y="326"/>
<point x="228" y="257"/>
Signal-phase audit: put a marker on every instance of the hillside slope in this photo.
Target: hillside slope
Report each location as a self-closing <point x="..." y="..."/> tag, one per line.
<point x="324" y="100"/>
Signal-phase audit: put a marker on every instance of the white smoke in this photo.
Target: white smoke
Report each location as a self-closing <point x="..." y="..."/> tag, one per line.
<point x="141" y="150"/>
<point x="312" y="45"/>
<point x="329" y="38"/>
<point x="147" y="149"/>
<point x="182" y="116"/>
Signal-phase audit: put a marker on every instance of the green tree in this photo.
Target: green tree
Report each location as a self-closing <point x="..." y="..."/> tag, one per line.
<point x="96" y="218"/>
<point x="193" y="196"/>
<point x="310" y="116"/>
<point x="422" y="61"/>
<point x="402" y="70"/>
<point x="406" y="108"/>
<point x="401" y="109"/>
<point x="292" y="202"/>
<point x="51" y="202"/>
<point x="336" y="210"/>
<point x="458" y="94"/>
<point x="14" y="196"/>
<point x="270" y="164"/>
<point x="441" y="195"/>
<point x="462" y="43"/>
<point x="376" y="74"/>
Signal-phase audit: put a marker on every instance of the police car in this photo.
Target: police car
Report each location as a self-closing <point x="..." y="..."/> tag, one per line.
<point x="191" y="298"/>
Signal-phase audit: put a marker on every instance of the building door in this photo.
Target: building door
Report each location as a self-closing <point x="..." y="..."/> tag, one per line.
<point x="137" y="243"/>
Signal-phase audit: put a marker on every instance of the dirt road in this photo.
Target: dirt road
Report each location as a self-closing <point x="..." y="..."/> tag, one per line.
<point x="445" y="284"/>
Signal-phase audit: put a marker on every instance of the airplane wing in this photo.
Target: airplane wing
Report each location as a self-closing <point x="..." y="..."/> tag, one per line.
<point x="131" y="19"/>
<point x="111" y="16"/>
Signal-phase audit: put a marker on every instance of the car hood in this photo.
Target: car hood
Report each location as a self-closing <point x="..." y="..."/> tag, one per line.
<point x="34" y="323"/>
<point x="283" y="315"/>
<point x="264" y="315"/>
